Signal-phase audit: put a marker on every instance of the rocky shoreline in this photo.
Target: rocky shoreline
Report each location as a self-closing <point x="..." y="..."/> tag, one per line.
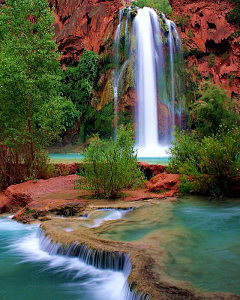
<point x="46" y="201"/>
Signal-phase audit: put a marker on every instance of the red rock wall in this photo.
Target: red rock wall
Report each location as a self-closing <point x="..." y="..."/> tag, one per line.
<point x="82" y="24"/>
<point x="210" y="33"/>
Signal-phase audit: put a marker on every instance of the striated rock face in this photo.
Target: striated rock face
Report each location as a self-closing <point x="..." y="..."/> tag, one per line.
<point x="204" y="30"/>
<point x="82" y="25"/>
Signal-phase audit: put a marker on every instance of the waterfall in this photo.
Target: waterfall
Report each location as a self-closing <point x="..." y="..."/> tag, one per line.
<point x="147" y="132"/>
<point x="99" y="259"/>
<point x="154" y="58"/>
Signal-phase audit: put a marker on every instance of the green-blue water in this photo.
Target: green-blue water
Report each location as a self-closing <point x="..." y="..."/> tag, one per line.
<point x="202" y="238"/>
<point x="29" y="273"/>
<point x="208" y="252"/>
<point x="74" y="157"/>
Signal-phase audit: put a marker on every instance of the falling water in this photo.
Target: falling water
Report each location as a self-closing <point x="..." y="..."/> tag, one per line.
<point x="147" y="133"/>
<point x="154" y="54"/>
<point x="47" y="270"/>
<point x="173" y="48"/>
<point x="116" y="73"/>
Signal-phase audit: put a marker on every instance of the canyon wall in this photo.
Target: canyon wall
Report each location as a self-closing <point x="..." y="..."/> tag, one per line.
<point x="212" y="45"/>
<point x="83" y="24"/>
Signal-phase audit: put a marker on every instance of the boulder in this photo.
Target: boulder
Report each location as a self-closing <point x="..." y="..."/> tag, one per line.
<point x="4" y="203"/>
<point x="40" y="209"/>
<point x="164" y="182"/>
<point x="151" y="169"/>
<point x="24" y="193"/>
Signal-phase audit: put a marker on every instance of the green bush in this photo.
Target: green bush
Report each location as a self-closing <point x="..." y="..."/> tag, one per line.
<point x="215" y="108"/>
<point x="185" y="186"/>
<point x="110" y="166"/>
<point x="190" y="34"/>
<point x="233" y="16"/>
<point x="211" y="162"/>
<point x="78" y="85"/>
<point x="211" y="59"/>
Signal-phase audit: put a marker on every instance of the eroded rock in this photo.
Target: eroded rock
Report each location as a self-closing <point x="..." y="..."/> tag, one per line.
<point x="41" y="209"/>
<point x="164" y="182"/>
<point x="24" y="193"/>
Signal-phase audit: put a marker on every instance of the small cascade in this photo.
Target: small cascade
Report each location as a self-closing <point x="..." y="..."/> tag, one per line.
<point x="116" y="261"/>
<point x="107" y="214"/>
<point x="156" y="62"/>
<point x="103" y="260"/>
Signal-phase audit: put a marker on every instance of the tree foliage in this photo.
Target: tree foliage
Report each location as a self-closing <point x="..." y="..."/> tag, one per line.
<point x="111" y="166"/>
<point x="211" y="162"/>
<point x="213" y="109"/>
<point x="30" y="108"/>
<point x="78" y="83"/>
<point x="103" y="123"/>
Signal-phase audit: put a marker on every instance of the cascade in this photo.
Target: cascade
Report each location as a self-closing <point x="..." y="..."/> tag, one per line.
<point x="99" y="259"/>
<point x="155" y="58"/>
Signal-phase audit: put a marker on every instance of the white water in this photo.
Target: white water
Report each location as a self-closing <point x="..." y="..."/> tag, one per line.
<point x="95" y="220"/>
<point x="99" y="283"/>
<point x="25" y="251"/>
<point x="158" y="104"/>
<point x="147" y="131"/>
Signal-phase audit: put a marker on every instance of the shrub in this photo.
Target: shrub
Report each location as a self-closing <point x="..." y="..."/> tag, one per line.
<point x="215" y="108"/>
<point x="190" y="34"/>
<point x="233" y="16"/>
<point x="211" y="162"/>
<point x="185" y="186"/>
<point x="211" y="59"/>
<point x="111" y="166"/>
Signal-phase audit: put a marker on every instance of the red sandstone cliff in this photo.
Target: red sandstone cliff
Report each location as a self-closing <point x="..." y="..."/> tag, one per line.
<point x="87" y="24"/>
<point x="204" y="27"/>
<point x="82" y="24"/>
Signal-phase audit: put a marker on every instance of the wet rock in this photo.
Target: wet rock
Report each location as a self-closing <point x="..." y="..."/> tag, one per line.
<point x="40" y="209"/>
<point x="164" y="182"/>
<point x="4" y="203"/>
<point x="151" y="169"/>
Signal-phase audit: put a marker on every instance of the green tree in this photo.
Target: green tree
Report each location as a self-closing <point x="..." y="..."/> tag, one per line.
<point x="111" y="166"/>
<point x="78" y="83"/>
<point x="30" y="108"/>
<point x="211" y="162"/>
<point x="213" y="109"/>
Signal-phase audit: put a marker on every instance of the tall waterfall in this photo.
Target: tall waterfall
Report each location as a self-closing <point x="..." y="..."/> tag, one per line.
<point x="155" y="60"/>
